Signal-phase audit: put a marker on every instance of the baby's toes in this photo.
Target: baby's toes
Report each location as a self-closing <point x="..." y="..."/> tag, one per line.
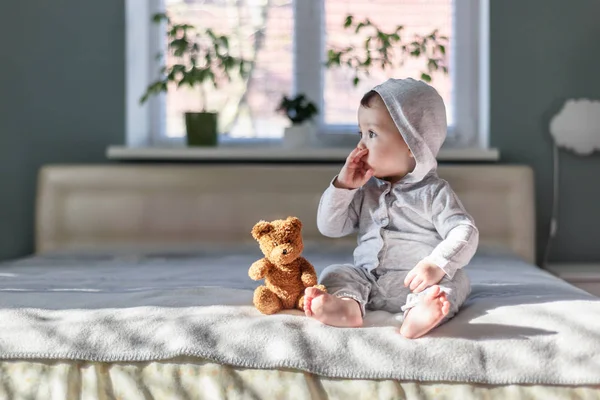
<point x="434" y="292"/>
<point x="311" y="292"/>
<point x="444" y="305"/>
<point x="307" y="305"/>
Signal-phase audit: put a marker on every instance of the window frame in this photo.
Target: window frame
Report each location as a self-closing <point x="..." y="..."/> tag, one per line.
<point x="469" y="68"/>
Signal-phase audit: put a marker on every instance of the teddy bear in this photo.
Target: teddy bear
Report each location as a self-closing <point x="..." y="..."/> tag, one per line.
<point x="285" y="272"/>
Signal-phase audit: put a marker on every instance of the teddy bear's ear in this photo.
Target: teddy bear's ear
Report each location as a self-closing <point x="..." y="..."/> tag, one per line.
<point x="261" y="229"/>
<point x="294" y="222"/>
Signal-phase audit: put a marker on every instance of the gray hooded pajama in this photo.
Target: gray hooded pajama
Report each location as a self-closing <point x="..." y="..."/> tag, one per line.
<point x="400" y="224"/>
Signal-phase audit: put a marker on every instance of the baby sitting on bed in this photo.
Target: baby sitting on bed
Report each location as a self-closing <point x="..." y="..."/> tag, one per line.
<point x="414" y="235"/>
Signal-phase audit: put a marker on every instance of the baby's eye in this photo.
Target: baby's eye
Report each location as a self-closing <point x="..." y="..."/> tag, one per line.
<point x="275" y="244"/>
<point x="288" y="241"/>
<point x="372" y="134"/>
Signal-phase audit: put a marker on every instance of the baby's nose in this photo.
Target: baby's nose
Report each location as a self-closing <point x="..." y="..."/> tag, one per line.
<point x="284" y="251"/>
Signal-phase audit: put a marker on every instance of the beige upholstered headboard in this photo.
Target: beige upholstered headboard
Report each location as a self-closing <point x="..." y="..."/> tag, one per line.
<point x="91" y="207"/>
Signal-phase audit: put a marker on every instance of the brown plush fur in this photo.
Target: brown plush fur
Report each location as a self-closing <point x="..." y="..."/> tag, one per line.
<point x="286" y="274"/>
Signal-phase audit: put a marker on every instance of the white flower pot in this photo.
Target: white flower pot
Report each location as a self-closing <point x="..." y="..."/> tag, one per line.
<point x="299" y="136"/>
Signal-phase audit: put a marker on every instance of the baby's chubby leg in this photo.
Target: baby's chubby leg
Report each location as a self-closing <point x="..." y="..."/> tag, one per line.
<point x="344" y="307"/>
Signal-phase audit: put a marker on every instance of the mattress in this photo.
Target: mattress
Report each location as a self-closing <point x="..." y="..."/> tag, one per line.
<point x="72" y="283"/>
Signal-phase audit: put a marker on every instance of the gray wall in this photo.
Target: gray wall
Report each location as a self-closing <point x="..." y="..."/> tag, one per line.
<point x="543" y="52"/>
<point x="61" y="98"/>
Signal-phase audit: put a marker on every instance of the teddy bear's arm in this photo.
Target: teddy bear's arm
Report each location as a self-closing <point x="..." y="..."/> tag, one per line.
<point x="309" y="276"/>
<point x="258" y="270"/>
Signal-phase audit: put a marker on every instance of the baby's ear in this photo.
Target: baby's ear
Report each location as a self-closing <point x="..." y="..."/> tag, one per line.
<point x="294" y="222"/>
<point x="261" y="229"/>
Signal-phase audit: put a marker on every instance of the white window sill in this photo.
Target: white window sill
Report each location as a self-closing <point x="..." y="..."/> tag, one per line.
<point x="270" y="153"/>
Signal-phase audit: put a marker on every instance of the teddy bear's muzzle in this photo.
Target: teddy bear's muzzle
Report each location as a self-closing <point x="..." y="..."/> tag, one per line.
<point x="284" y="255"/>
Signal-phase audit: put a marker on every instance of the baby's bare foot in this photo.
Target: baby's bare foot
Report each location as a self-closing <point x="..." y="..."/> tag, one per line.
<point x="331" y="310"/>
<point x="425" y="316"/>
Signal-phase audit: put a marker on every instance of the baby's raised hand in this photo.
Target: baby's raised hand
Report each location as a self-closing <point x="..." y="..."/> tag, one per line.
<point x="422" y="276"/>
<point x="355" y="171"/>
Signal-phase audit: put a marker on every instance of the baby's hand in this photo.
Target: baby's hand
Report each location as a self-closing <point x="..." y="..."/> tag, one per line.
<point x="355" y="172"/>
<point x="422" y="276"/>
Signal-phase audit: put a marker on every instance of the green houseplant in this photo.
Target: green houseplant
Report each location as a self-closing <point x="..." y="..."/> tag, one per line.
<point x="388" y="50"/>
<point x="300" y="111"/>
<point x="199" y="58"/>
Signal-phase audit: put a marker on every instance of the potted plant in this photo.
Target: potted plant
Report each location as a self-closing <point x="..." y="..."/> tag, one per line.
<point x="300" y="111"/>
<point x="379" y="49"/>
<point x="199" y="57"/>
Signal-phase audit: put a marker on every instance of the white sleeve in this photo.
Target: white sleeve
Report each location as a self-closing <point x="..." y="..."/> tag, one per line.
<point x="457" y="229"/>
<point x="338" y="212"/>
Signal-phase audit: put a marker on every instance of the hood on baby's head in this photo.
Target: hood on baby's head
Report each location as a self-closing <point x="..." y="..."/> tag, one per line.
<point x="420" y="115"/>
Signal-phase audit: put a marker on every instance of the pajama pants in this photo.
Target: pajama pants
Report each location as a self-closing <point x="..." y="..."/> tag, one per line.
<point x="385" y="290"/>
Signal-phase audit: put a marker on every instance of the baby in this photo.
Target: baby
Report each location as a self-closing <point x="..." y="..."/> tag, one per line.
<point x="414" y="235"/>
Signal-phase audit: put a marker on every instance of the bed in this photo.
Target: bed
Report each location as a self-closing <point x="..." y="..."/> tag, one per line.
<point x="139" y="290"/>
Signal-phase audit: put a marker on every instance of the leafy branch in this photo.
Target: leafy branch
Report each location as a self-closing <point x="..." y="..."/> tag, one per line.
<point x="200" y="57"/>
<point x="379" y="49"/>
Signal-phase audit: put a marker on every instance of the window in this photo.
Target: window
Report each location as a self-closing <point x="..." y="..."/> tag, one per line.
<point x="287" y="40"/>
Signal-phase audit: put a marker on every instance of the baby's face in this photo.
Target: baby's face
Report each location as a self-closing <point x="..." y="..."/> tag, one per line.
<point x="388" y="154"/>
